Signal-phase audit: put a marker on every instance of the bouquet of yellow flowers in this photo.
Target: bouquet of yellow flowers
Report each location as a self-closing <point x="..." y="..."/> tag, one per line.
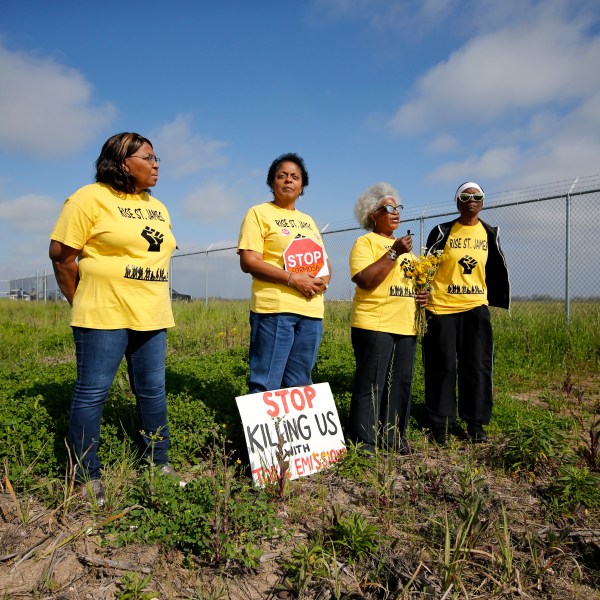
<point x="421" y="271"/>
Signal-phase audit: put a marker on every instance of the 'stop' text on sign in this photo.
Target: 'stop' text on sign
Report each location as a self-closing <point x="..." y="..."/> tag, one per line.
<point x="304" y="255"/>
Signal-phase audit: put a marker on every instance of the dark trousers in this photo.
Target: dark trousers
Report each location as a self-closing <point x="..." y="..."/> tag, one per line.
<point x="381" y="399"/>
<point x="459" y="346"/>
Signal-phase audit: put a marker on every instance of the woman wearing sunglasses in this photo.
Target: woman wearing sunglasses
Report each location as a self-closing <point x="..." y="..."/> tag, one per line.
<point x="383" y="316"/>
<point x="459" y="344"/>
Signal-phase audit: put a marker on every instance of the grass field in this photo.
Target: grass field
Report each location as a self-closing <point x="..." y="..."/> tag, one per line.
<point x="519" y="517"/>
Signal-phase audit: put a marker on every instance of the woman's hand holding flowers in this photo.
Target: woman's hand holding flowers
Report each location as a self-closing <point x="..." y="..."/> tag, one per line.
<point x="422" y="298"/>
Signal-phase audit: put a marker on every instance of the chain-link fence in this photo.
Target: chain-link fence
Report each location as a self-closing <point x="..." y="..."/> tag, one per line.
<point x="38" y="287"/>
<point x="550" y="243"/>
<point x="548" y="234"/>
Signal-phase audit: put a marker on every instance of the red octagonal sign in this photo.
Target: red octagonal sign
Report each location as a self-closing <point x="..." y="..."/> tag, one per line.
<point x="304" y="255"/>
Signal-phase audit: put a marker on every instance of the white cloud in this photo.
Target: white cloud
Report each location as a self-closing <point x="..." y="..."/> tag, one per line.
<point x="211" y="203"/>
<point x="496" y="163"/>
<point x="185" y="152"/>
<point x="442" y="144"/>
<point x="520" y="99"/>
<point x="29" y="213"/>
<point x="47" y="109"/>
<point x="526" y="66"/>
<point x="26" y="222"/>
<point x="550" y="147"/>
<point x="386" y="15"/>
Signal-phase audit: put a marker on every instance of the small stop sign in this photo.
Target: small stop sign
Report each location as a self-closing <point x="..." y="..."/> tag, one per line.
<point x="304" y="256"/>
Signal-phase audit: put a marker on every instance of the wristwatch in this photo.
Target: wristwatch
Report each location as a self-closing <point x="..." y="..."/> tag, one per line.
<point x="392" y="254"/>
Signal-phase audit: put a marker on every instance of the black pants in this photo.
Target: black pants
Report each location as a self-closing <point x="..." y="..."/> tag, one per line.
<point x="459" y="344"/>
<point x="381" y="399"/>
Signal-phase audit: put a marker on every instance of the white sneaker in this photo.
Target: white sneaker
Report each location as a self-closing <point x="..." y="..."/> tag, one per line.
<point x="91" y="491"/>
<point x="169" y="471"/>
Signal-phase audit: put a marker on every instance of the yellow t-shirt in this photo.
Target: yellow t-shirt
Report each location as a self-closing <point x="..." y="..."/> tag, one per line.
<point x="390" y="307"/>
<point x="459" y="284"/>
<point x="126" y="246"/>
<point x="269" y="229"/>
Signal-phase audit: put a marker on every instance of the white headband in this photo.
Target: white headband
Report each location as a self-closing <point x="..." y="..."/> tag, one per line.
<point x="464" y="186"/>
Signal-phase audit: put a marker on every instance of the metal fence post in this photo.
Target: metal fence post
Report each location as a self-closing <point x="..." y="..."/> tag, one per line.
<point x="206" y="277"/>
<point x="567" y="259"/>
<point x="568" y="255"/>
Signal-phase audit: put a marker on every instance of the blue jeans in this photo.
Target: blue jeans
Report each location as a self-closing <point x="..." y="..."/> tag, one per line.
<point x="283" y="350"/>
<point x="99" y="353"/>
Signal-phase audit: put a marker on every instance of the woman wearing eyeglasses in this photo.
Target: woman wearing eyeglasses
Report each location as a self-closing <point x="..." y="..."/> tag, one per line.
<point x="282" y="249"/>
<point x="459" y="345"/>
<point x="383" y="317"/>
<point x="110" y="249"/>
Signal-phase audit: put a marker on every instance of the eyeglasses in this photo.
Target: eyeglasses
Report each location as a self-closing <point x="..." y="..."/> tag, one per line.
<point x="464" y="197"/>
<point x="390" y="209"/>
<point x="150" y="158"/>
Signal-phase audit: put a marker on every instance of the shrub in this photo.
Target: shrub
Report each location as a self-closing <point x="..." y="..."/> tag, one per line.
<point x="190" y="423"/>
<point x="574" y="488"/>
<point x="26" y="440"/>
<point x="355" y="537"/>
<point x="216" y="520"/>
<point x="532" y="442"/>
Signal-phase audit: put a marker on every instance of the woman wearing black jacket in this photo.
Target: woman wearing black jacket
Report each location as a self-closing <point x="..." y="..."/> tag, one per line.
<point x="459" y="345"/>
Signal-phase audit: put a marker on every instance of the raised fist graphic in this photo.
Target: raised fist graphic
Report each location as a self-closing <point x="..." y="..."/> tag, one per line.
<point x="468" y="263"/>
<point x="154" y="238"/>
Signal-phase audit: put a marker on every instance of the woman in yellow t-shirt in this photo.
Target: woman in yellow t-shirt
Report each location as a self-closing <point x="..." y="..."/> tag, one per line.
<point x="110" y="249"/>
<point x="383" y="317"/>
<point x="458" y="348"/>
<point x="282" y="249"/>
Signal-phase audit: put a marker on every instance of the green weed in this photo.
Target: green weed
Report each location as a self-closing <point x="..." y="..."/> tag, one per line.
<point x="533" y="442"/>
<point x="460" y="541"/>
<point x="308" y="567"/>
<point x="355" y="464"/>
<point x="574" y="488"/>
<point x="355" y="537"/>
<point x="217" y="517"/>
<point x="506" y="557"/>
<point x="132" y="587"/>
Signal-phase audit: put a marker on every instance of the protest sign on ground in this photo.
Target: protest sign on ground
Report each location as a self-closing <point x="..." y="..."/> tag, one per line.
<point x="294" y="431"/>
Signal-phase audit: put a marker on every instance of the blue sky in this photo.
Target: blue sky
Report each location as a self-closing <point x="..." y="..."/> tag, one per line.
<point x="422" y="94"/>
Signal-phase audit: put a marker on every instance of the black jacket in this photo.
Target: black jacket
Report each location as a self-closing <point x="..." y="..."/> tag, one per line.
<point x="496" y="271"/>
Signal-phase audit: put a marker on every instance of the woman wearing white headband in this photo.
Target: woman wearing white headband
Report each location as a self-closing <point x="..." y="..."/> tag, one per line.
<point x="459" y="345"/>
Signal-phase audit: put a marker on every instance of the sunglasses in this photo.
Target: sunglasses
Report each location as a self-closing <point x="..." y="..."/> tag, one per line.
<point x="390" y="209"/>
<point x="464" y="197"/>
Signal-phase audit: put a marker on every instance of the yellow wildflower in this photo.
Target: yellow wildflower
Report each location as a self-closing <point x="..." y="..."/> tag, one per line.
<point x="421" y="271"/>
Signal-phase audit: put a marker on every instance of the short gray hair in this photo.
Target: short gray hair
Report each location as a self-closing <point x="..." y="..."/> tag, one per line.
<point x="370" y="200"/>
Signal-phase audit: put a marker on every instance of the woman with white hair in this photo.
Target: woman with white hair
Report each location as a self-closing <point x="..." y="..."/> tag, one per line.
<point x="383" y="317"/>
<point x="459" y="345"/>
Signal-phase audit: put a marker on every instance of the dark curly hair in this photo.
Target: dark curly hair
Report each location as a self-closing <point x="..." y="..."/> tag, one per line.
<point x="109" y="165"/>
<point x="289" y="157"/>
